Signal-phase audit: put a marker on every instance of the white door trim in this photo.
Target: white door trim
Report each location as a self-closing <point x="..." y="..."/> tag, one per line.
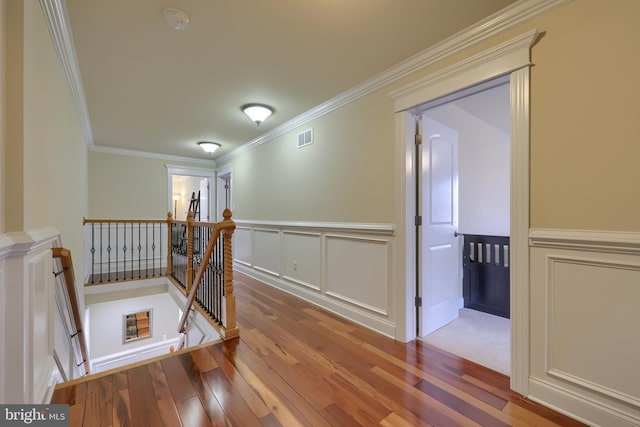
<point x="189" y="171"/>
<point x="509" y="58"/>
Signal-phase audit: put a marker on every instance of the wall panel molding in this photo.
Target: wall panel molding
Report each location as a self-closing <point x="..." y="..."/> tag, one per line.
<point x="586" y="240"/>
<point x="345" y="268"/>
<point x="584" y="289"/>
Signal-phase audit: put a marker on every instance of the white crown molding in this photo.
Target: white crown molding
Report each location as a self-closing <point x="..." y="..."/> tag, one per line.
<point x="57" y="18"/>
<point x="187" y="170"/>
<point x="586" y="240"/>
<point x="503" y="20"/>
<point x="147" y="155"/>
<point x="377" y="228"/>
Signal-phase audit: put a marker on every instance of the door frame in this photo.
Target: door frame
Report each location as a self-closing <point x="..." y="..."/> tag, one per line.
<point x="513" y="59"/>
<point x="190" y="171"/>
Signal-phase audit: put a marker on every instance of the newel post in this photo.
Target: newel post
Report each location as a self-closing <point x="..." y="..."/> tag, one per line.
<point x="169" y="244"/>
<point x="229" y="315"/>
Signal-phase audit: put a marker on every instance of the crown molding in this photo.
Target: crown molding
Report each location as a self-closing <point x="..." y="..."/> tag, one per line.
<point x="500" y="21"/>
<point x="147" y="155"/>
<point x="57" y="18"/>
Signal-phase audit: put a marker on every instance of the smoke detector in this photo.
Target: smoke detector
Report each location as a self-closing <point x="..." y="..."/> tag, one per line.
<point x="176" y="19"/>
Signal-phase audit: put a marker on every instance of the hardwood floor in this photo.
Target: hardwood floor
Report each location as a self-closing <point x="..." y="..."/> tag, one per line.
<point x="295" y="364"/>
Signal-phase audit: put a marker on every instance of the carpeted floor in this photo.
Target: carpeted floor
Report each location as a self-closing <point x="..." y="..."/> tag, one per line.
<point x="477" y="336"/>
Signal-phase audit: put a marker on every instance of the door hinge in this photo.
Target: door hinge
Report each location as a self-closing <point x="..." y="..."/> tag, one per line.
<point x="418" y="220"/>
<point x="418" y="301"/>
<point x="418" y="139"/>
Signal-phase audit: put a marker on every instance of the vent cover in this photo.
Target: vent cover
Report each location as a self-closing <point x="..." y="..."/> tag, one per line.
<point x="305" y="138"/>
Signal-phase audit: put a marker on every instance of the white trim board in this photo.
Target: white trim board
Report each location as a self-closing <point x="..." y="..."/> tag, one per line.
<point x="147" y="155"/>
<point x="353" y="227"/>
<point x="509" y="58"/>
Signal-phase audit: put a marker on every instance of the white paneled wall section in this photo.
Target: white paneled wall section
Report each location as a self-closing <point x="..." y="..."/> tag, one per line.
<point x="586" y="287"/>
<point x="345" y="268"/>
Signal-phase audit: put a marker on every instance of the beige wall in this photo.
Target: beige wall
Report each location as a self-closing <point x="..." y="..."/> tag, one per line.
<point x="122" y="186"/>
<point x="584" y="149"/>
<point x="44" y="158"/>
<point x="584" y="115"/>
<point x="54" y="151"/>
<point x="2" y="118"/>
<point x="13" y="27"/>
<point x="346" y="175"/>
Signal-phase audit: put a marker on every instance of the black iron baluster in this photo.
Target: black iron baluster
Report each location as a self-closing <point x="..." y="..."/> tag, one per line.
<point x="132" y="254"/>
<point x="139" y="250"/>
<point x="153" y="250"/>
<point x="124" y="251"/>
<point x="101" y="253"/>
<point x="117" y="250"/>
<point x="93" y="252"/>
<point x="109" y="251"/>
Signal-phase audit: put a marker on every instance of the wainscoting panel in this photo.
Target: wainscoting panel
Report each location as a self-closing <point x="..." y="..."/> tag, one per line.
<point x="342" y="267"/>
<point x="302" y="258"/>
<point x="266" y="256"/>
<point x="585" y="289"/>
<point x="358" y="271"/>
<point x="242" y="245"/>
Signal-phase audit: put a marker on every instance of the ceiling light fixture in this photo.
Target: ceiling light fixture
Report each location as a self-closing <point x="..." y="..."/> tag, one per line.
<point x="257" y="112"/>
<point x="176" y="19"/>
<point x="209" y="146"/>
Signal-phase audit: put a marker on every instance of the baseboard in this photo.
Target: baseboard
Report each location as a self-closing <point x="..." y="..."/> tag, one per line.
<point x="337" y="307"/>
<point x="592" y="412"/>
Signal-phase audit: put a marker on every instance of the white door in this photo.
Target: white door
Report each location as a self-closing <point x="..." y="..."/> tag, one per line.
<point x="440" y="285"/>
<point x="204" y="199"/>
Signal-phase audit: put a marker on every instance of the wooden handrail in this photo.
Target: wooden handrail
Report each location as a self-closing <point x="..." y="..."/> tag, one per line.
<point x="69" y="278"/>
<point x="227" y="227"/>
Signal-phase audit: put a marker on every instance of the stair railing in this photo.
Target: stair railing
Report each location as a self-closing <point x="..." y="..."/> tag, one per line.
<point x="64" y="255"/>
<point x="217" y="259"/>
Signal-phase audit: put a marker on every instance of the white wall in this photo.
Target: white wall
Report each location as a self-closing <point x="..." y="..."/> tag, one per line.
<point x="483" y="171"/>
<point x="106" y="322"/>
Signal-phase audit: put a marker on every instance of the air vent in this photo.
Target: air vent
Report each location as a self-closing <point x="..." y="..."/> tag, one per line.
<point x="305" y="138"/>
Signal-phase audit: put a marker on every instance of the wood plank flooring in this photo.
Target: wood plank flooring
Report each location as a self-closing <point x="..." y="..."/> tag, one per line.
<point x="297" y="365"/>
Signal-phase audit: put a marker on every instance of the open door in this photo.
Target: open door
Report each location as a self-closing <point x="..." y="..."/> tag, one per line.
<point x="440" y="260"/>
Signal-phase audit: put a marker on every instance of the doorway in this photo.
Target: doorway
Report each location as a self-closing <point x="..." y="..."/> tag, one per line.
<point x="191" y="189"/>
<point x="464" y="191"/>
<point x="511" y="60"/>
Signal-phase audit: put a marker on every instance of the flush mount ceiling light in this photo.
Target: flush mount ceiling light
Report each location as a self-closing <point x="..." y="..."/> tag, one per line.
<point x="257" y="112"/>
<point x="209" y="146"/>
<point x="176" y="19"/>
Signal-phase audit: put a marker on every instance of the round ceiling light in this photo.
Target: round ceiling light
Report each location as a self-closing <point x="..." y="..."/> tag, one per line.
<point x="176" y="19"/>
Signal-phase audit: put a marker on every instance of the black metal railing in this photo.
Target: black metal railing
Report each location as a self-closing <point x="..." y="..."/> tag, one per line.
<point x="125" y="249"/>
<point x="209" y="272"/>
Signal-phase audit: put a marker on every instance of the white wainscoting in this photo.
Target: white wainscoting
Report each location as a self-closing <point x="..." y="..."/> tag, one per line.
<point x="345" y="268"/>
<point x="585" y="318"/>
<point x="27" y="310"/>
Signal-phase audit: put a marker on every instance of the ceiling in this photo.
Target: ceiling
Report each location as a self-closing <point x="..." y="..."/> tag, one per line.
<point x="153" y="89"/>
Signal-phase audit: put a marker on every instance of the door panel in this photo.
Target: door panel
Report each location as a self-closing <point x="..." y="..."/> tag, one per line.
<point x="441" y="256"/>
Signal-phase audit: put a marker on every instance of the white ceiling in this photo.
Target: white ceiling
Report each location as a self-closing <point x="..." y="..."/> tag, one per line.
<point x="154" y="89"/>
